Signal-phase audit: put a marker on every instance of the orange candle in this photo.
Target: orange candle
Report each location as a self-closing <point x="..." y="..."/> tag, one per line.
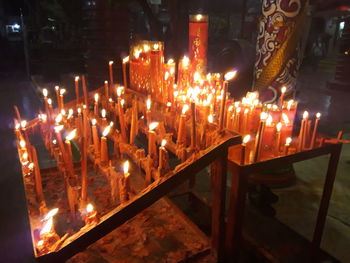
<point x="302" y="131"/>
<point x="96" y="97"/>
<point x="95" y="138"/>
<point x="125" y="183"/>
<point x="57" y="90"/>
<point x="104" y="146"/>
<point x="110" y="67"/>
<point x="181" y="133"/>
<point x="121" y="115"/>
<point x="287" y="145"/>
<point x="125" y="61"/>
<point x="37" y="176"/>
<point x="313" y="139"/>
<point x="106" y="89"/>
<point x="283" y="91"/>
<point x="84" y="180"/>
<point x="76" y="84"/>
<point x="244" y="146"/>
<point x="86" y="102"/>
<point x="259" y="136"/>
<point x="278" y="139"/>
<point x="228" y="76"/>
<point x="152" y="151"/>
<point x="163" y="158"/>
<point x="156" y="67"/>
<point x="70" y="137"/>
<point x="90" y="216"/>
<point x="148" y="111"/>
<point x="134" y="123"/>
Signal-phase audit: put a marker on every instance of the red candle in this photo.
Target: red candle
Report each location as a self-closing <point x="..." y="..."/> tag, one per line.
<point x="125" y="61"/>
<point x="244" y="146"/>
<point x="96" y="97"/>
<point x="86" y="102"/>
<point x="268" y="137"/>
<point x="104" y="147"/>
<point x="95" y="138"/>
<point x="152" y="151"/>
<point x="76" y="84"/>
<point x="106" y="89"/>
<point x="287" y="145"/>
<point x="181" y="133"/>
<point x="283" y="91"/>
<point x="110" y="67"/>
<point x="313" y="139"/>
<point x="259" y="136"/>
<point x="198" y="42"/>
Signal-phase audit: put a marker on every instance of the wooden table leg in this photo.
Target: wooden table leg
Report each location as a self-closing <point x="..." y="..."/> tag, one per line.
<point x="235" y="214"/>
<point x="326" y="196"/>
<point x="219" y="174"/>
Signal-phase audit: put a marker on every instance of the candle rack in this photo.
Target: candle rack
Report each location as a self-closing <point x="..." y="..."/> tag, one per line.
<point x="152" y="184"/>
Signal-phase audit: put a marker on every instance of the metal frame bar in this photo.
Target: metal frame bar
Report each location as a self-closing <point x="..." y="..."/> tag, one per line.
<point x="239" y="190"/>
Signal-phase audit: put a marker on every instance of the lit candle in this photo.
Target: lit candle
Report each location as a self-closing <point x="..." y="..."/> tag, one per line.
<point x="125" y="184"/>
<point x="106" y="88"/>
<point x="37" y="176"/>
<point x="283" y="91"/>
<point x="193" y="126"/>
<point x="181" y="133"/>
<point x="152" y="151"/>
<point x="313" y="139"/>
<point x="104" y="146"/>
<point x="125" y="61"/>
<point x="287" y="145"/>
<point x="91" y="215"/>
<point x="76" y="84"/>
<point x="95" y="138"/>
<point x="57" y="90"/>
<point x="228" y="76"/>
<point x="278" y="140"/>
<point x="259" y="136"/>
<point x="110" y="66"/>
<point x="244" y="146"/>
<point x="96" y="97"/>
<point x="163" y="159"/>
<point x="121" y="114"/>
<point x="148" y="111"/>
<point x="103" y="115"/>
<point x="62" y="91"/>
<point x="60" y="143"/>
<point x="48" y="236"/>
<point x="134" y="122"/>
<point x="70" y="137"/>
<point x="302" y="131"/>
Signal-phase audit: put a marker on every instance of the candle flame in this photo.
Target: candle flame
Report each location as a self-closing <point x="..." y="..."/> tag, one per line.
<point x="57" y="87"/>
<point x="238" y="110"/>
<point x="119" y="91"/>
<point x="137" y="53"/>
<point x="93" y="121"/>
<point x="96" y="96"/>
<point x="44" y="117"/>
<point x="269" y="120"/>
<point x="25" y="156"/>
<point x="318" y="115"/>
<point x="76" y="78"/>
<point x="153" y="125"/>
<point x="71" y="135"/>
<point x="45" y="92"/>
<point x="168" y="104"/>
<point x="146" y="48"/>
<point x="285" y="118"/>
<point x="79" y="110"/>
<point x="111" y="124"/>
<point x="103" y="113"/>
<point x="163" y="143"/>
<point x="49" y="101"/>
<point x="289" y="104"/>
<point x="156" y="46"/>
<point x="283" y="89"/>
<point x="62" y="91"/>
<point x="51" y="214"/>
<point x="246" y="139"/>
<point x="17" y="126"/>
<point x="170" y="61"/>
<point x="54" y="141"/>
<point x="31" y="166"/>
<point x="23" y="124"/>
<point x="166" y="75"/>
<point x="40" y="243"/>
<point x="47" y="228"/>
<point x="110" y="100"/>
<point x="63" y="112"/>
<point x="263" y="116"/>
<point x="148" y="104"/>
<point x="110" y="62"/>
<point x="22" y="143"/>
<point x="210" y="118"/>
<point x="106" y="82"/>
<point x="279" y="126"/>
<point x="58" y="118"/>
<point x="122" y="102"/>
<point x="199" y="17"/>
<point x="185" y="61"/>
<point x="172" y="71"/>
<point x="70" y="113"/>
<point x="126" y="60"/>
<point x="196" y="76"/>
<point x="274" y="107"/>
<point x="84" y="107"/>
<point x="230" y="75"/>
<point x="106" y="131"/>
<point x="230" y="108"/>
<point x="305" y="115"/>
<point x="126" y="167"/>
<point x="58" y="128"/>
<point x="89" y="208"/>
<point x="185" y="108"/>
<point x="288" y="141"/>
<point x="246" y="111"/>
